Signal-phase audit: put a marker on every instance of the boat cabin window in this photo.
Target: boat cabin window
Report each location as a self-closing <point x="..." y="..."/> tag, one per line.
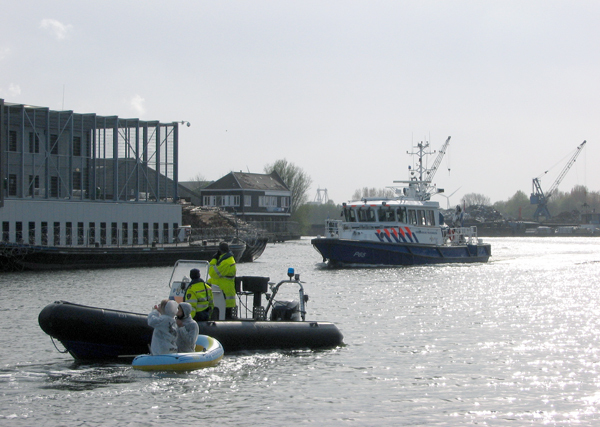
<point x="421" y="217"/>
<point x="370" y="215"/>
<point x="366" y="215"/>
<point x="412" y="217"/>
<point x="386" y="215"/>
<point x="351" y="215"/>
<point x="430" y="217"/>
<point x="401" y="214"/>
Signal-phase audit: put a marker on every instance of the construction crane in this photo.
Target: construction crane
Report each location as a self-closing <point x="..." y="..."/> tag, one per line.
<point x="539" y="198"/>
<point x="431" y="172"/>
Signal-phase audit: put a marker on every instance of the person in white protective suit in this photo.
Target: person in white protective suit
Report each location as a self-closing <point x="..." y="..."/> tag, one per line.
<point x="162" y="319"/>
<point x="187" y="329"/>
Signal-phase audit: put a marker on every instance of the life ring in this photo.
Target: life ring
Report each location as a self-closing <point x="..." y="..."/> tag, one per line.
<point x="451" y="234"/>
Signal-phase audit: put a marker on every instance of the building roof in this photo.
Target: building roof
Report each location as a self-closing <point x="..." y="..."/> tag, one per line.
<point x="249" y="181"/>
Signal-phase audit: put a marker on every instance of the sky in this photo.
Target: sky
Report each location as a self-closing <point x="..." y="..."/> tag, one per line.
<point x="341" y="89"/>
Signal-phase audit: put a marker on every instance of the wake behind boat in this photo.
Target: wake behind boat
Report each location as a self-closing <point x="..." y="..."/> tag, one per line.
<point x="93" y="333"/>
<point x="405" y="230"/>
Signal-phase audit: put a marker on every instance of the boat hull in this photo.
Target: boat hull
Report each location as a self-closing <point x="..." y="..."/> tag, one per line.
<point x="91" y="333"/>
<point x="18" y="257"/>
<point x="254" y="248"/>
<point x="340" y="252"/>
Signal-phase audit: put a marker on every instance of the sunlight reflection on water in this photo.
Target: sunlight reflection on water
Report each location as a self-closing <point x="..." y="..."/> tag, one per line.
<point x="515" y="340"/>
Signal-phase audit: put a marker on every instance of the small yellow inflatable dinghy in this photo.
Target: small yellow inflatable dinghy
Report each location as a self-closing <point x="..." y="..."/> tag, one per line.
<point x="208" y="353"/>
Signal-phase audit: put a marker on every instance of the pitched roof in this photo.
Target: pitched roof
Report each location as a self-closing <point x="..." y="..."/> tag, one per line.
<point x="249" y="181"/>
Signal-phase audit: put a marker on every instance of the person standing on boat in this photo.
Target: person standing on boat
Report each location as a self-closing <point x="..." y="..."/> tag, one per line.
<point x="457" y="217"/>
<point x="199" y="295"/>
<point x="164" y="336"/>
<point x="187" y="329"/>
<point x="222" y="272"/>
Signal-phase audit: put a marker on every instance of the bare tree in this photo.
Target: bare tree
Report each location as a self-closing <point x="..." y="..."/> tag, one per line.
<point x="384" y="193"/>
<point x="198" y="177"/>
<point x="295" y="178"/>
<point x="475" y="199"/>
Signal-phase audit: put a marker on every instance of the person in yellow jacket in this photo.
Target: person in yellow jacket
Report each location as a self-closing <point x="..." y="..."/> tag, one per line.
<point x="199" y="295"/>
<point x="221" y="272"/>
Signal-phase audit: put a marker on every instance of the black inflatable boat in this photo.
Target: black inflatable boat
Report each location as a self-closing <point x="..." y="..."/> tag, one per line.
<point x="92" y="333"/>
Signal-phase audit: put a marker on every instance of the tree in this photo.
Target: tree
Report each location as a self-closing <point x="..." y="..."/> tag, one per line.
<point x="309" y="215"/>
<point x="295" y="178"/>
<point x="198" y="177"/>
<point x="517" y="207"/>
<point x="384" y="193"/>
<point x="475" y="199"/>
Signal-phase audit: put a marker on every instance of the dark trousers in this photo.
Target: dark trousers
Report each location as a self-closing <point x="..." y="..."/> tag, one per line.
<point x="202" y="316"/>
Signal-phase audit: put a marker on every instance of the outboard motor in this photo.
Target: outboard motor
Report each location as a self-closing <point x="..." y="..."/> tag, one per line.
<point x="286" y="310"/>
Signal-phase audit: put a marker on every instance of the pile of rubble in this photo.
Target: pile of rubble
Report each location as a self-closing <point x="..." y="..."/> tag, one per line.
<point x="206" y="217"/>
<point x="474" y="214"/>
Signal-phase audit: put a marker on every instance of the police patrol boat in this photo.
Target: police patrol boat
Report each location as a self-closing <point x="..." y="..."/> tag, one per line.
<point x="92" y="333"/>
<point x="407" y="229"/>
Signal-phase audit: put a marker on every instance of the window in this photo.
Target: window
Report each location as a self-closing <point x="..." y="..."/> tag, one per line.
<point x="421" y="217"/>
<point x="76" y="180"/>
<point x="135" y="233"/>
<point x="124" y="233"/>
<point x="146" y="231"/>
<point x="12" y="140"/>
<point x="209" y="201"/>
<point x="77" y="146"/>
<point x="34" y="185"/>
<point x="114" y="234"/>
<point x="386" y="214"/>
<point x="5" y="231"/>
<point x="44" y="233"/>
<point x="267" y="201"/>
<point x="32" y="233"/>
<point x="230" y="200"/>
<point x="19" y="231"/>
<point x="54" y="144"/>
<point x="69" y="233"/>
<point x="402" y="215"/>
<point x="12" y="184"/>
<point x="412" y="217"/>
<point x="34" y="142"/>
<point x="103" y="233"/>
<point x="430" y="217"/>
<point x="370" y="215"/>
<point x="248" y="201"/>
<point x="155" y="234"/>
<point x="54" y="190"/>
<point x="285" y="202"/>
<point x="80" y="234"/>
<point x="166" y="232"/>
<point x="352" y="215"/>
<point x="175" y="230"/>
<point x="92" y="233"/>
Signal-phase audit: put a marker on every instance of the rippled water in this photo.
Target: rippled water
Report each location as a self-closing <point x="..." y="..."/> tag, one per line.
<point x="513" y="341"/>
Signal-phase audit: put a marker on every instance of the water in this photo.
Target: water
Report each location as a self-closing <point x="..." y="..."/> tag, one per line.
<point x="513" y="341"/>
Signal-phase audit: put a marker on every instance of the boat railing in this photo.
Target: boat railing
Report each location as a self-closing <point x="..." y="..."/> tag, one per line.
<point x="332" y="228"/>
<point x="461" y="235"/>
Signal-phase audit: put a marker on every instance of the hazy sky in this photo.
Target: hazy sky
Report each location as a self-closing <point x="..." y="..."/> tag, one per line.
<point x="342" y="89"/>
